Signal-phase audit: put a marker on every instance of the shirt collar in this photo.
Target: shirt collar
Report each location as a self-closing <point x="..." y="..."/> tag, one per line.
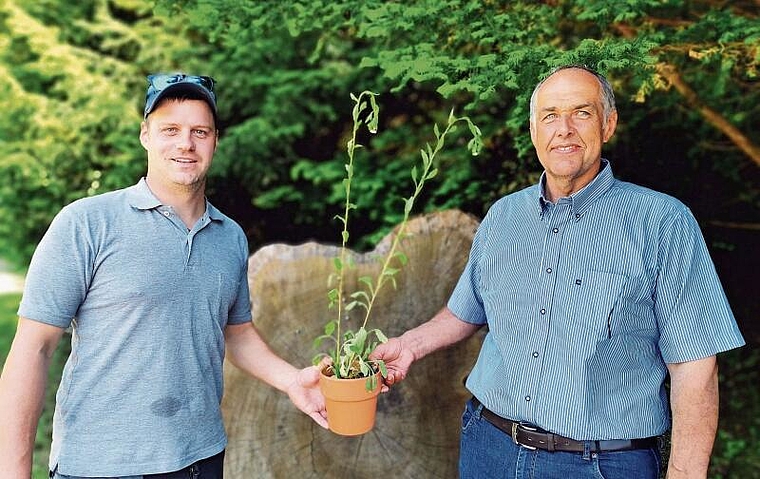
<point x="582" y="199"/>
<point x="142" y="198"/>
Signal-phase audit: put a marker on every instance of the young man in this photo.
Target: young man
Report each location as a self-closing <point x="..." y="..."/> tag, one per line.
<point x="153" y="281"/>
<point x="593" y="291"/>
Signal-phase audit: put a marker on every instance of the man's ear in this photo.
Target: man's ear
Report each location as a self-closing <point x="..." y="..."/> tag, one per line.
<point x="532" y="133"/>
<point x="609" y="127"/>
<point x="144" y="134"/>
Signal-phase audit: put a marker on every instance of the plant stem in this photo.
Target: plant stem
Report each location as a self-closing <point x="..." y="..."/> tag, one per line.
<point x="382" y="277"/>
<point x="351" y="148"/>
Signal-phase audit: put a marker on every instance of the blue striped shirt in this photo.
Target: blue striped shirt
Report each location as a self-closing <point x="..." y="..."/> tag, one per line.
<point x="586" y="301"/>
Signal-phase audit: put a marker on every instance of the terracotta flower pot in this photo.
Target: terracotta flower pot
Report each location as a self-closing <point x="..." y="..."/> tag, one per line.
<point x="350" y="407"/>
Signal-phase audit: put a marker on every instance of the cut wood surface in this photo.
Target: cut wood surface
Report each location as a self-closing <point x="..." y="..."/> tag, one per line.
<point x="416" y="434"/>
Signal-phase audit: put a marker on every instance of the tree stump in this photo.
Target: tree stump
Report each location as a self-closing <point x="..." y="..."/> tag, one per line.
<point x="416" y="434"/>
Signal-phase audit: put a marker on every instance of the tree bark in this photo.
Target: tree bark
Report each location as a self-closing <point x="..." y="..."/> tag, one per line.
<point x="416" y="433"/>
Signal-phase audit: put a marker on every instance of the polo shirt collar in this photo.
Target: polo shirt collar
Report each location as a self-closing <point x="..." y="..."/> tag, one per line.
<point x="581" y="200"/>
<point x="213" y="213"/>
<point x="142" y="198"/>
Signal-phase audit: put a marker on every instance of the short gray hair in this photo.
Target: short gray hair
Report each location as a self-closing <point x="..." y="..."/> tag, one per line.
<point x="608" y="96"/>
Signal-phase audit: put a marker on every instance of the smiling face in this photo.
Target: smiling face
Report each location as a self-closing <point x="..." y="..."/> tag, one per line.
<point x="180" y="137"/>
<point x="568" y="130"/>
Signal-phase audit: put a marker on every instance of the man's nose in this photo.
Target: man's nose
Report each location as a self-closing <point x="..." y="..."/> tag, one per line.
<point x="565" y="126"/>
<point x="185" y="142"/>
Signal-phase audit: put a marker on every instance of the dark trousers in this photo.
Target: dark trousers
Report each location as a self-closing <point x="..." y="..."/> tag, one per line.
<point x="209" y="468"/>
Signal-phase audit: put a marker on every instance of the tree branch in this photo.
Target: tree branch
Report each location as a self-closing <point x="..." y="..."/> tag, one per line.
<point x="711" y="116"/>
<point x="736" y="226"/>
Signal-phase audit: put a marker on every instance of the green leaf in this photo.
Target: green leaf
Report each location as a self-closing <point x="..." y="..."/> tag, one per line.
<point x="381" y="336"/>
<point x="362" y="296"/>
<point x="330" y="327"/>
<point x="332" y="295"/>
<point x="367" y="280"/>
<point x="371" y="383"/>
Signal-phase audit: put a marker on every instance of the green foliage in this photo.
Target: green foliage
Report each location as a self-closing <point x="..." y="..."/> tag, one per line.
<point x="72" y="89"/>
<point x="735" y="451"/>
<point x="350" y="356"/>
<point x="8" y="306"/>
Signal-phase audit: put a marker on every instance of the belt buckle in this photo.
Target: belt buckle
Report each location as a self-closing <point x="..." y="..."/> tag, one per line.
<point x="516" y="427"/>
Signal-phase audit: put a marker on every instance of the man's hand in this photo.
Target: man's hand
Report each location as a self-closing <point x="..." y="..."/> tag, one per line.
<point x="247" y="350"/>
<point x="304" y="392"/>
<point x="397" y="357"/>
<point x="443" y="330"/>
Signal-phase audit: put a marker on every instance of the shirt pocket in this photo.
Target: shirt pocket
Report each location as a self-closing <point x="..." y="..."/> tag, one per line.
<point x="600" y="295"/>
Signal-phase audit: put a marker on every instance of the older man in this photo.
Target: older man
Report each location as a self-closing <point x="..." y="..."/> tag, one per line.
<point x="593" y="291"/>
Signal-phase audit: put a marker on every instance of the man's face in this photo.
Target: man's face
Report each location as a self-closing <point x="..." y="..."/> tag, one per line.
<point x="180" y="138"/>
<point x="568" y="129"/>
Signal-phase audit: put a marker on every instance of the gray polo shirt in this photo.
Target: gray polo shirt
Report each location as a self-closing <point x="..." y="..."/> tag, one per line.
<point x="148" y="301"/>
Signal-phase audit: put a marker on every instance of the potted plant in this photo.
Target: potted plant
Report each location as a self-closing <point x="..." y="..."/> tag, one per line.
<point x="351" y="381"/>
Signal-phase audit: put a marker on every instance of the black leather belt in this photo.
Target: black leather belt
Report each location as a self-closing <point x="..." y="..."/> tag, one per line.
<point x="534" y="438"/>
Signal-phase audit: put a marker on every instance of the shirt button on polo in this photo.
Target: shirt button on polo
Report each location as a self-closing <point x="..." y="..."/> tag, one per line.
<point x="555" y="230"/>
<point x="549" y="270"/>
<point x="535" y="354"/>
<point x="543" y="310"/>
<point x="167" y="214"/>
<point x="527" y="398"/>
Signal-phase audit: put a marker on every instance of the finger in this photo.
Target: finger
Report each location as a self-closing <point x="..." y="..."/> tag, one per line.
<point x="319" y="418"/>
<point x="326" y="361"/>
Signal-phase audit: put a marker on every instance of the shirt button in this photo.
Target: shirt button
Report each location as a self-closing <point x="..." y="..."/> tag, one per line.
<point x="543" y="311"/>
<point x="549" y="270"/>
<point x="555" y="230"/>
<point x="535" y="354"/>
<point x="527" y="398"/>
<point x="167" y="214"/>
<point x="577" y="215"/>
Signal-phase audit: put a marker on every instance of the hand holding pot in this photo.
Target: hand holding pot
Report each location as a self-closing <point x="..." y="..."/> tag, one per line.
<point x="398" y="358"/>
<point x="305" y="394"/>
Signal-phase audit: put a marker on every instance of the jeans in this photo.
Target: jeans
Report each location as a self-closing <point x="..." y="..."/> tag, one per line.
<point x="487" y="452"/>
<point x="209" y="468"/>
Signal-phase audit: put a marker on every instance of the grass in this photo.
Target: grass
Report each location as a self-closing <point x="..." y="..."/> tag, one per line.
<point x="8" y="320"/>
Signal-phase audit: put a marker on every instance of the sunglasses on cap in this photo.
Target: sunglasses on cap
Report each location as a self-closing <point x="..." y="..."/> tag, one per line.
<point x="161" y="80"/>
<point x="159" y="85"/>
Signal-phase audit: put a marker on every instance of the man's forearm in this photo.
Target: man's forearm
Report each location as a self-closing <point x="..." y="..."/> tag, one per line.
<point x="22" y="389"/>
<point x="694" y="401"/>
<point x="247" y="350"/>
<point x="442" y="331"/>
